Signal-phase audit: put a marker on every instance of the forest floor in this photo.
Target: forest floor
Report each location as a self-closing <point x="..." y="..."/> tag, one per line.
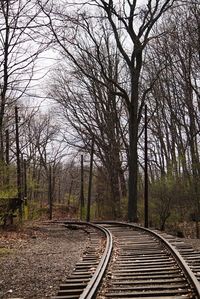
<point x="35" y="260"/>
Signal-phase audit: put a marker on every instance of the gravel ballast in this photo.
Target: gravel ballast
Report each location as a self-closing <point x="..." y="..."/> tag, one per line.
<point x="34" y="262"/>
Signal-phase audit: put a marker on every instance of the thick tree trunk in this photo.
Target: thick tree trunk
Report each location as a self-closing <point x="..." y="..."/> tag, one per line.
<point x="133" y="165"/>
<point x="135" y="70"/>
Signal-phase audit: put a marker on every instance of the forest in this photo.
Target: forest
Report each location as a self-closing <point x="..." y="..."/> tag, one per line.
<point x="75" y="79"/>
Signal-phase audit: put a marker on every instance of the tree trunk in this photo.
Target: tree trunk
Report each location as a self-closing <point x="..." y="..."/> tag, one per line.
<point x="123" y="187"/>
<point x="133" y="165"/>
<point x="115" y="193"/>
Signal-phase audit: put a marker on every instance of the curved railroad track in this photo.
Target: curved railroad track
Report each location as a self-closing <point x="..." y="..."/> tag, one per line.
<point x="87" y="274"/>
<point x="144" y="264"/>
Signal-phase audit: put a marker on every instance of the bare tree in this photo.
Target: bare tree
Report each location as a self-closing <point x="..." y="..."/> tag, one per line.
<point x="18" y="53"/>
<point x="131" y="25"/>
<point x="174" y="105"/>
<point x="93" y="109"/>
<point x="41" y="146"/>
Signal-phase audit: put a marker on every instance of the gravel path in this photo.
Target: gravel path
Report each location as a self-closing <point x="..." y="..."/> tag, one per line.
<point x="34" y="262"/>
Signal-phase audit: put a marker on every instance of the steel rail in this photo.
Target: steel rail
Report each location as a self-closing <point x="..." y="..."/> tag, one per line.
<point x="194" y="283"/>
<point x="94" y="282"/>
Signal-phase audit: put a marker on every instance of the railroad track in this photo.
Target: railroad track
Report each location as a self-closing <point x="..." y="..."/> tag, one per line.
<point x="191" y="256"/>
<point x="87" y="274"/>
<point x="144" y="264"/>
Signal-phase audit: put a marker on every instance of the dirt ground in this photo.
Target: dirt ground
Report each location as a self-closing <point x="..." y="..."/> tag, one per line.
<point x="36" y="260"/>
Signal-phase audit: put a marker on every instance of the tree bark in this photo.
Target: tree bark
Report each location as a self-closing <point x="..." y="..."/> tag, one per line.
<point x="133" y="165"/>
